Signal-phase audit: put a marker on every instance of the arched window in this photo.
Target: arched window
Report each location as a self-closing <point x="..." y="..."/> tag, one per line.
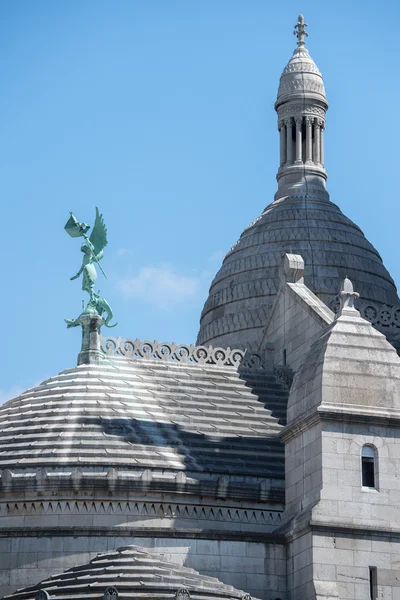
<point x="369" y="467"/>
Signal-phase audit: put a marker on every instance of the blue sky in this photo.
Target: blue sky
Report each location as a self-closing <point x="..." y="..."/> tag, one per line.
<point x="161" y="113"/>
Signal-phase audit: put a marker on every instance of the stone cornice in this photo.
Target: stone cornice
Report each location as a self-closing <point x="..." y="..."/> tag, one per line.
<point x="291" y="531"/>
<point x="386" y="417"/>
<point x="293" y="169"/>
<point x="299" y="426"/>
<point x="66" y="515"/>
<point x="147" y="532"/>
<point x="331" y="529"/>
<point x="112" y="481"/>
<point x="351" y="414"/>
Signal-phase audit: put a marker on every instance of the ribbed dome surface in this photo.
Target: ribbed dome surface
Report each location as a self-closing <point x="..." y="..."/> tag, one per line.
<point x="301" y="75"/>
<point x="332" y="246"/>
<point x="141" y="415"/>
<point x="135" y="574"/>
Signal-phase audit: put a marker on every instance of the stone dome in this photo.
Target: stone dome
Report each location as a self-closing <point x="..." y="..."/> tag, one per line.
<point x="333" y="247"/>
<point x="300" y="75"/>
<point x="130" y="572"/>
<point x="301" y="220"/>
<point x="128" y="425"/>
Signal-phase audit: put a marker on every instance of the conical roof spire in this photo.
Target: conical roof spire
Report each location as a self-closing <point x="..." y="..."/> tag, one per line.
<point x="299" y="30"/>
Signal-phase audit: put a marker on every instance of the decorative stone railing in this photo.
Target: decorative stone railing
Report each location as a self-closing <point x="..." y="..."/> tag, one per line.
<point x="284" y="374"/>
<point x="191" y="354"/>
<point x="182" y="353"/>
<point x="386" y="316"/>
<point x="172" y="352"/>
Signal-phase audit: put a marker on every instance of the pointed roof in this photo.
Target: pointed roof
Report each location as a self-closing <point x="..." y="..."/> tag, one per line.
<point x="301" y="76"/>
<point x="127" y="573"/>
<point x="351" y="370"/>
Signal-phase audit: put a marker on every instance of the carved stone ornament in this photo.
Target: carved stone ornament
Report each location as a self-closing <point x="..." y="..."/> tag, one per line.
<point x="111" y="593"/>
<point x="182" y="594"/>
<point x="300" y="32"/>
<point x="187" y="354"/>
<point x="42" y="595"/>
<point x="347" y="298"/>
<point x="294" y="109"/>
<point x="388" y="316"/>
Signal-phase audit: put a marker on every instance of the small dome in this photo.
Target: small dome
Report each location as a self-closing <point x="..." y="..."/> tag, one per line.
<point x="130" y="572"/>
<point x="301" y="76"/>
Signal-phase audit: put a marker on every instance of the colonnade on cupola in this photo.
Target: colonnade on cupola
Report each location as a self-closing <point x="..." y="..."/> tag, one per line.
<point x="301" y="140"/>
<point x="301" y="105"/>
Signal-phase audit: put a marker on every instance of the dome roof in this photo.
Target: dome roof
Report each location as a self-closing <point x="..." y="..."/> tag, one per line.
<point x="333" y="247"/>
<point x="301" y="220"/>
<point x="300" y="77"/>
<point x="130" y="572"/>
<point x="131" y="423"/>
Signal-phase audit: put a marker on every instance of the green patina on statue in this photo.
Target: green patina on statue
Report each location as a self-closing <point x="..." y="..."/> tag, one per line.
<point x="93" y="253"/>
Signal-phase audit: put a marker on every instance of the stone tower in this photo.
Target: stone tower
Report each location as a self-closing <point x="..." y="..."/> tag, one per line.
<point x="342" y="461"/>
<point x="301" y="106"/>
<point x="301" y="220"/>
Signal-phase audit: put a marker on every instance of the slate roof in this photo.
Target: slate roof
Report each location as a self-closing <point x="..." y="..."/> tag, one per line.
<point x="135" y="574"/>
<point x="148" y="422"/>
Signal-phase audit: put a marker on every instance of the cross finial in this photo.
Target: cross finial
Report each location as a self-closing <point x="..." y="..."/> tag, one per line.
<point x="300" y="31"/>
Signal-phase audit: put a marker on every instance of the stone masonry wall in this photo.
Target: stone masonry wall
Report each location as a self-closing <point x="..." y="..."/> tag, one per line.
<point x="303" y="468"/>
<point x="346" y="560"/>
<point x="343" y="499"/>
<point x="300" y="568"/>
<point x="259" y="569"/>
<point x="324" y="468"/>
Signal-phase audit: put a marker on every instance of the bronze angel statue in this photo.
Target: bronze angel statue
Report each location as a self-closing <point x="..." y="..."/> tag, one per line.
<point x="93" y="253"/>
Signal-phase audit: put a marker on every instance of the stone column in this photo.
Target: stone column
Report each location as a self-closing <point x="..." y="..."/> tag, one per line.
<point x="299" y="140"/>
<point x="282" y="139"/>
<point x="317" y="141"/>
<point x="309" y="141"/>
<point x="91" y="341"/>
<point x="321" y="152"/>
<point x="289" y="141"/>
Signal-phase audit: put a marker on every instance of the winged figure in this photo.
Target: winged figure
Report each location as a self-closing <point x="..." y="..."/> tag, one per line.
<point x="93" y="253"/>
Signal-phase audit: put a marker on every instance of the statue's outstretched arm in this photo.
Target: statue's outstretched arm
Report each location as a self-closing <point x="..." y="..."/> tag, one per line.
<point x="78" y="274"/>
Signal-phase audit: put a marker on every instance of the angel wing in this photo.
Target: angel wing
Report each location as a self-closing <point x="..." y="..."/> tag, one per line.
<point x="98" y="237"/>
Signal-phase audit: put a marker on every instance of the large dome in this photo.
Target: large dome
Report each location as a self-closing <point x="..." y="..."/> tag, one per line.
<point x="332" y="246"/>
<point x="177" y="427"/>
<point x="301" y="220"/>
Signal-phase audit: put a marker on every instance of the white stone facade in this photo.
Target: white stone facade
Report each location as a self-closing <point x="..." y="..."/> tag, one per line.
<point x="254" y="567"/>
<point x="274" y="467"/>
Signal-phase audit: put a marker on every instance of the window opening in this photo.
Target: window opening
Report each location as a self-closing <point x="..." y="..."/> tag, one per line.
<point x="368" y="467"/>
<point x="373" y="583"/>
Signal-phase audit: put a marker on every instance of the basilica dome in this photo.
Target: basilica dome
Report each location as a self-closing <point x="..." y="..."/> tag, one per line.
<point x="134" y="424"/>
<point x="301" y="220"/>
